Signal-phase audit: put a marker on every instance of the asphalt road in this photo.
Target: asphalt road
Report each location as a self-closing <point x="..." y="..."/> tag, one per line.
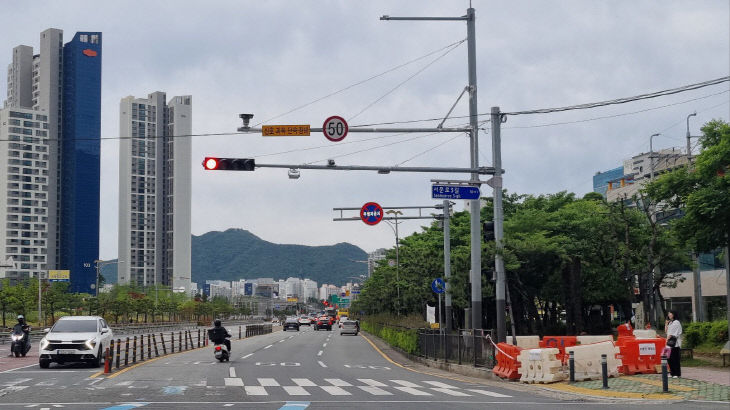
<point x="283" y="370"/>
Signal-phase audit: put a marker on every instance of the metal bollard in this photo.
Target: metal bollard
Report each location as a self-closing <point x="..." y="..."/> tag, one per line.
<point x="107" y="360"/>
<point x="149" y="346"/>
<point x="164" y="347"/>
<point x="172" y="342"/>
<point x="198" y="337"/>
<point x="111" y="354"/>
<point x="186" y="340"/>
<point x="126" y="352"/>
<point x="141" y="348"/>
<point x="134" y="351"/>
<point x="239" y="332"/>
<point x="665" y="376"/>
<point x="179" y="341"/>
<point x="154" y="340"/>
<point x="604" y="370"/>
<point x="119" y="347"/>
<point x="571" y="364"/>
<point x="190" y="336"/>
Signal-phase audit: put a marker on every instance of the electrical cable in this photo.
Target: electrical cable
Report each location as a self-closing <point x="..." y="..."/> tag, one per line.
<point x="428" y="150"/>
<point x="374" y="148"/>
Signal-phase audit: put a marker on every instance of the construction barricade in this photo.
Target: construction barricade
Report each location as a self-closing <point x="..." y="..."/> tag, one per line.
<point x="645" y="334"/>
<point x="540" y="366"/>
<point x="526" y="342"/>
<point x="507" y="365"/>
<point x="560" y="343"/>
<point x="640" y="355"/>
<point x="586" y="340"/>
<point x="588" y="360"/>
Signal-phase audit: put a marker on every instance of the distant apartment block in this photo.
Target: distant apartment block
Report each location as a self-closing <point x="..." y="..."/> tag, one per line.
<point x="155" y="191"/>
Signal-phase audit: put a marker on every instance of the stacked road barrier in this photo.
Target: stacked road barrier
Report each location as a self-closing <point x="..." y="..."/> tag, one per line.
<point x="507" y="365"/>
<point x="560" y="343"/>
<point x="525" y="342"/>
<point x="640" y="356"/>
<point x="588" y="360"/>
<point x="540" y="366"/>
<point x="588" y="339"/>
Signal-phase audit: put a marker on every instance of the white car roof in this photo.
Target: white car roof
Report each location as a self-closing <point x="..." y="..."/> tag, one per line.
<point x="79" y="318"/>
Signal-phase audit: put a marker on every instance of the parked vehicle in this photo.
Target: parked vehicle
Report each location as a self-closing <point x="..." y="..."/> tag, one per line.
<point x="75" y="339"/>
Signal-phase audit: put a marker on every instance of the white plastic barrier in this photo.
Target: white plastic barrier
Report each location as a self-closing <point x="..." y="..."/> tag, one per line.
<point x="527" y="366"/>
<point x="584" y="340"/>
<point x="588" y="360"/>
<point x="526" y="342"/>
<point x="645" y="334"/>
<point x="540" y="366"/>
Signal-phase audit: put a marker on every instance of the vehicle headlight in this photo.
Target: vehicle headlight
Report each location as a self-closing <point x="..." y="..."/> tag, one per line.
<point x="90" y="344"/>
<point x="15" y="337"/>
<point x="44" y="343"/>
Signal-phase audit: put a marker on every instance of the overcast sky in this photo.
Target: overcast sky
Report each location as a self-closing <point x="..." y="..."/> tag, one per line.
<point x="267" y="58"/>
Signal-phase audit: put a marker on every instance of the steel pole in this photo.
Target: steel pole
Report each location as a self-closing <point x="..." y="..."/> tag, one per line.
<point x="496" y="119"/>
<point x="397" y="264"/>
<point x="447" y="262"/>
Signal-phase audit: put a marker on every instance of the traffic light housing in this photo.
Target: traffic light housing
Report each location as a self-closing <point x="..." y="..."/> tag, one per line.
<point x="488" y="231"/>
<point x="229" y="164"/>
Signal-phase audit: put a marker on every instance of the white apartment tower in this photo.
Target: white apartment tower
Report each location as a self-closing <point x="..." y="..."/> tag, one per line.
<point x="155" y="191"/>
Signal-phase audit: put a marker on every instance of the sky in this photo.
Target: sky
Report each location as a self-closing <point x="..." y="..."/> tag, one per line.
<point x="278" y="59"/>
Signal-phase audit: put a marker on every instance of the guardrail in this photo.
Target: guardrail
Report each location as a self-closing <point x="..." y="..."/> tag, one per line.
<point x="466" y="346"/>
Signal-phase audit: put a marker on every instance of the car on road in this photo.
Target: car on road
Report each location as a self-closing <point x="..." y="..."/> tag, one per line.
<point x="323" y="322"/>
<point x="349" y="327"/>
<point x="305" y="321"/>
<point x="75" y="339"/>
<point x="291" y="323"/>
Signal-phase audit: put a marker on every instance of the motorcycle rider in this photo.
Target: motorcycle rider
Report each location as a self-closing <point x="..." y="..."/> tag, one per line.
<point x="23" y="327"/>
<point x="219" y="334"/>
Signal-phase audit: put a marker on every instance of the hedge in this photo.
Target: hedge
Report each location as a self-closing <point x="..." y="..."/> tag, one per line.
<point x="701" y="333"/>
<point x="405" y="339"/>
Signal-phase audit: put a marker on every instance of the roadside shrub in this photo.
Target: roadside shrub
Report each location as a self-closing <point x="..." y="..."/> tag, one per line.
<point x="700" y="333"/>
<point x="402" y="338"/>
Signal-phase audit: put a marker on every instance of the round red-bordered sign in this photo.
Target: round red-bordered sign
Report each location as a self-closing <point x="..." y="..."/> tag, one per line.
<point x="371" y="213"/>
<point x="335" y="128"/>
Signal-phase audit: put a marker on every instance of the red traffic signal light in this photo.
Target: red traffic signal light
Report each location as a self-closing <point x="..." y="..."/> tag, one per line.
<point x="229" y="164"/>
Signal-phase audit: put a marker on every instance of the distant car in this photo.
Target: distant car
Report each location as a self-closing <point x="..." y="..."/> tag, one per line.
<point x="349" y="327"/>
<point x="342" y="319"/>
<point x="305" y="321"/>
<point x="75" y="339"/>
<point x="291" y="323"/>
<point x="323" y="322"/>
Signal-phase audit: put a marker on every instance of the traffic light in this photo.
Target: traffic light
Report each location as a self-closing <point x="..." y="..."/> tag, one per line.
<point x="488" y="231"/>
<point x="229" y="164"/>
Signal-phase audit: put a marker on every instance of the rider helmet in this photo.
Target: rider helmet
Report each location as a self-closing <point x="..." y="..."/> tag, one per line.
<point x="217" y="323"/>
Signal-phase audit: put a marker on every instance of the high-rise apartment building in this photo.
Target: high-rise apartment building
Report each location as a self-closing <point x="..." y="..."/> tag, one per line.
<point x="62" y="83"/>
<point x="155" y="191"/>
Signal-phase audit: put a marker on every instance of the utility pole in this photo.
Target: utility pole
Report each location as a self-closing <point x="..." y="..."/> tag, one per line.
<point x="397" y="255"/>
<point x="698" y="308"/>
<point x="447" y="263"/>
<point x="496" y="119"/>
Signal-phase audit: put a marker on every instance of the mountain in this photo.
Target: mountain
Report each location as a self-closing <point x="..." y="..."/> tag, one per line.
<point x="238" y="254"/>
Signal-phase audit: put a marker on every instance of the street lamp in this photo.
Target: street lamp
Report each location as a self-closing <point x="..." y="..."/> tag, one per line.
<point x="651" y="155"/>
<point x="395" y="213"/>
<point x="689" y="148"/>
<point x="99" y="264"/>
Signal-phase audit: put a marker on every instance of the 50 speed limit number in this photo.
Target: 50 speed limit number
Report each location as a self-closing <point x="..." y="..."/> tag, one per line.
<point x="335" y="128"/>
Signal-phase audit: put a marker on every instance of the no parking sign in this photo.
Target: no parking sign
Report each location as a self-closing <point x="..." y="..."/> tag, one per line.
<point x="371" y="213"/>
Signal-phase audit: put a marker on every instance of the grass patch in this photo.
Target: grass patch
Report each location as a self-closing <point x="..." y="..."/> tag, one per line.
<point x="701" y="362"/>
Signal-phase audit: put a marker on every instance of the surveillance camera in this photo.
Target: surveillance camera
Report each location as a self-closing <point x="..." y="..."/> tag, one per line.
<point x="246" y="118"/>
<point x="330" y="163"/>
<point x="294" y="173"/>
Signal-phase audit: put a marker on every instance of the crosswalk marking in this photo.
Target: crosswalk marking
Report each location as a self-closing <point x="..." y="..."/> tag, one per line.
<point x="268" y="382"/>
<point x="439" y="384"/>
<point x="450" y="392"/>
<point x="411" y="390"/>
<point x="335" y="390"/>
<point x="371" y="382"/>
<point x="488" y="393"/>
<point x="304" y="382"/>
<point x="405" y="383"/>
<point x="375" y="391"/>
<point x="296" y="390"/>
<point x="231" y="372"/>
<point x="256" y="391"/>
<point x="234" y="381"/>
<point x="338" y="382"/>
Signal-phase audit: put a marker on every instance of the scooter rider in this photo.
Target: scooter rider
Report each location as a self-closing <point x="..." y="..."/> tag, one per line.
<point x="22" y="326"/>
<point x="219" y="334"/>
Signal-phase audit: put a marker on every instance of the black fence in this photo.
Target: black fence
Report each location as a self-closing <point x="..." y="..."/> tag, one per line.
<point x="463" y="347"/>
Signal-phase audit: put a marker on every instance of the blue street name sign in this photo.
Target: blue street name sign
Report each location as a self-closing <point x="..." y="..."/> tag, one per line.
<point x="454" y="192"/>
<point x="438" y="285"/>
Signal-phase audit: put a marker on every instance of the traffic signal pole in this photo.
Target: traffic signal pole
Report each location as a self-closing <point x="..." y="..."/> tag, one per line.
<point x="496" y="184"/>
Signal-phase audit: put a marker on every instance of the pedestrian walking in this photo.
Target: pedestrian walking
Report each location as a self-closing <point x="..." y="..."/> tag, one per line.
<point x="673" y="330"/>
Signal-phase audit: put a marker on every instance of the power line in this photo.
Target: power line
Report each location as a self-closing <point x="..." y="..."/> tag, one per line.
<point x="374" y="148"/>
<point x="428" y="150"/>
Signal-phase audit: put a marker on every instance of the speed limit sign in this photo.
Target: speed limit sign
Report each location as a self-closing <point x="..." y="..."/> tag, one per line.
<point x="335" y="128"/>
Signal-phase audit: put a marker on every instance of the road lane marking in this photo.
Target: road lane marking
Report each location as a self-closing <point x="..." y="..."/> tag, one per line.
<point x="338" y="382"/>
<point x="232" y="371"/>
<point x="405" y="383"/>
<point x="125" y="383"/>
<point x="412" y="391"/>
<point x="234" y="381"/>
<point x="321" y="364"/>
<point x="319" y="353"/>
<point x="268" y="382"/>
<point x="282" y="340"/>
<point x="295" y="390"/>
<point x="268" y="346"/>
<point x="488" y="393"/>
<point x="324" y="345"/>
<point x="125" y="406"/>
<point x="375" y="391"/>
<point x="304" y="382"/>
<point x="374" y="383"/>
<point x="247" y="356"/>
<point x="295" y="405"/>
<point x="439" y="384"/>
<point x="450" y="392"/>
<point x="336" y="391"/>
<point x="256" y="391"/>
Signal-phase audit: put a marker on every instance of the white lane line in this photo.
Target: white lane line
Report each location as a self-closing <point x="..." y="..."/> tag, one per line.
<point x="413" y="391"/>
<point x="376" y="391"/>
<point x="321" y="364"/>
<point x="336" y="391"/>
<point x="371" y="382"/>
<point x="304" y="382"/>
<point x="439" y="384"/>
<point x="256" y="391"/>
<point x="488" y="393"/>
<point x="231" y="381"/>
<point x="125" y="383"/>
<point x="450" y="392"/>
<point x="266" y="382"/>
<point x="268" y="346"/>
<point x="247" y="356"/>
<point x="324" y="345"/>
<point x="338" y="382"/>
<point x="282" y="340"/>
<point x="196" y="362"/>
<point x="295" y="390"/>
<point x="320" y="353"/>
<point x="290" y="337"/>
<point x="405" y="383"/>
<point x="232" y="372"/>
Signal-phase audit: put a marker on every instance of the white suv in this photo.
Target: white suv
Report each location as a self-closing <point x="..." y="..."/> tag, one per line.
<point x="75" y="339"/>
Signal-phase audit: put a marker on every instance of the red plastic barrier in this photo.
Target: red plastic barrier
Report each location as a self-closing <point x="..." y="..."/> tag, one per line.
<point x="625" y="330"/>
<point x="560" y="343"/>
<point x="507" y="365"/>
<point x="640" y="355"/>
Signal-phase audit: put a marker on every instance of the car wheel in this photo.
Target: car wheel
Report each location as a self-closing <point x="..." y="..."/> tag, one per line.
<point x="44" y="363"/>
<point x="97" y="362"/>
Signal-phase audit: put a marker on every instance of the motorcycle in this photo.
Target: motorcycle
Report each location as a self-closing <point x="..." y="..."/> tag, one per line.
<point x="20" y="342"/>
<point x="221" y="352"/>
